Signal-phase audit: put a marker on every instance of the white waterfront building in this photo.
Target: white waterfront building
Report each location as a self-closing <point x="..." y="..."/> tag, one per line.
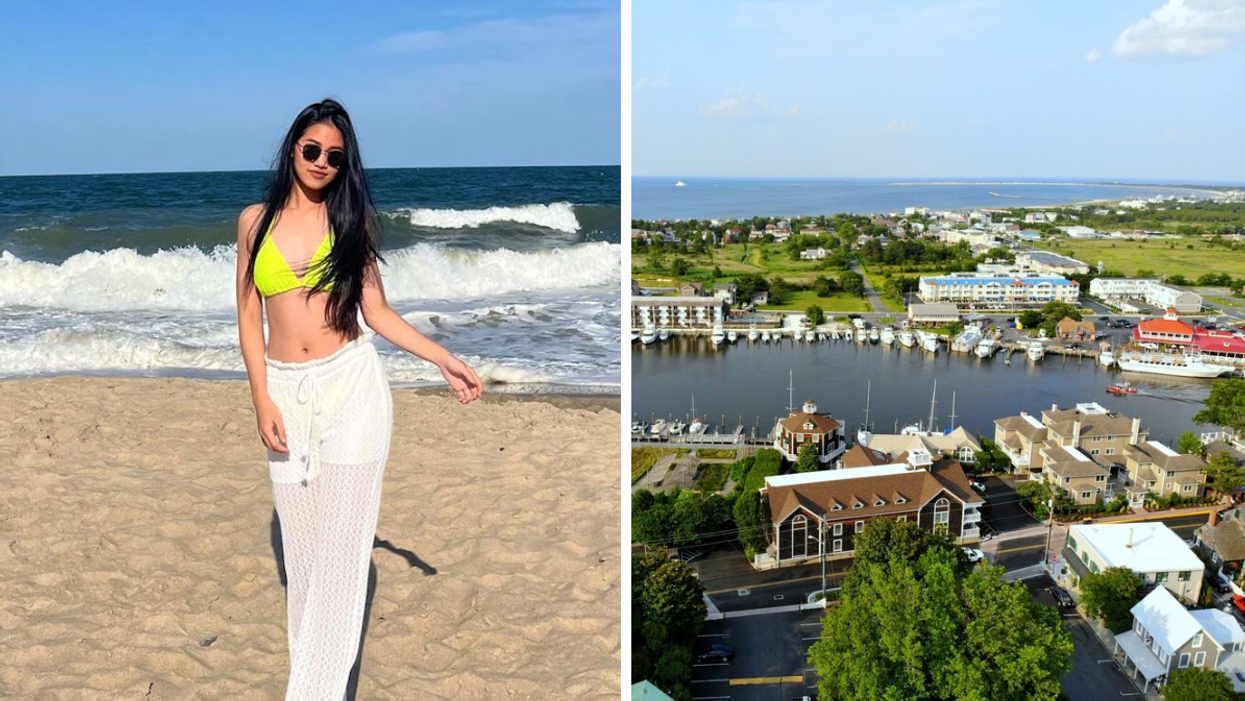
<point x="678" y="312"/>
<point x="1152" y="290"/>
<point x="1000" y="289"/>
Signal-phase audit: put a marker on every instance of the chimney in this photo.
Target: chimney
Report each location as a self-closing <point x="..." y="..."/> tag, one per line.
<point x="1076" y="433"/>
<point x="1130" y="537"/>
<point x="1136" y="430"/>
<point x="1214" y="518"/>
<point x="1054" y="407"/>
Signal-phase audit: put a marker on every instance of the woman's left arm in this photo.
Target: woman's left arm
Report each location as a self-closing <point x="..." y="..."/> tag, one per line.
<point x="382" y="319"/>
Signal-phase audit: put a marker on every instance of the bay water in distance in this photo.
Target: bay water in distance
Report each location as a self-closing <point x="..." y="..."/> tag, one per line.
<point x="710" y="198"/>
<point x="515" y="269"/>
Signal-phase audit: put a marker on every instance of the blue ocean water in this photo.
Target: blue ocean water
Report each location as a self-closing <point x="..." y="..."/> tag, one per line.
<point x="709" y="198"/>
<point x="514" y="269"/>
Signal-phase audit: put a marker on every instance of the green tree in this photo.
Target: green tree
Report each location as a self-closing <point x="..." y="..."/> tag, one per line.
<point x="955" y="328"/>
<point x="749" y="512"/>
<point x="815" y="315"/>
<point x="852" y="283"/>
<point x="717" y="272"/>
<point x="807" y="459"/>
<point x="1223" y="474"/>
<point x="679" y="267"/>
<point x="1031" y="319"/>
<point x="824" y="286"/>
<point x="1109" y="595"/>
<point x="1198" y="684"/>
<point x="1225" y="406"/>
<point x="913" y="623"/>
<point x="667" y="611"/>
<point x="1189" y="444"/>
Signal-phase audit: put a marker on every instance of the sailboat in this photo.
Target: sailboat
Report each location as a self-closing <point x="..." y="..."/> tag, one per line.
<point x="864" y="433"/>
<point x="929" y="429"/>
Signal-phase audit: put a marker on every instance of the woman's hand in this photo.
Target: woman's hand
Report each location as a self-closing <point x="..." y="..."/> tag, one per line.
<point x="463" y="380"/>
<point x="271" y="425"/>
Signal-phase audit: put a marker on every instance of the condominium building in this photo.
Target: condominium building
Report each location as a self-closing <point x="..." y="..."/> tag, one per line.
<point x="982" y="288"/>
<point x="1152" y="290"/>
<point x="678" y="312"/>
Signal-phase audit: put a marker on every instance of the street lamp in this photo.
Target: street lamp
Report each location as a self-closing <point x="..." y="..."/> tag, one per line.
<point x="1050" y="509"/>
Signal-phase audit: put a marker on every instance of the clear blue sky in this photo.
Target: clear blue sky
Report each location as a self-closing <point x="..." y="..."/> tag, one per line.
<point x="1136" y="89"/>
<point x="144" y="86"/>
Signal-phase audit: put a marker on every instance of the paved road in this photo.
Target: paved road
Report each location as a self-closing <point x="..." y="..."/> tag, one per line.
<point x="870" y="293"/>
<point x="771" y="658"/>
<point x="733" y="585"/>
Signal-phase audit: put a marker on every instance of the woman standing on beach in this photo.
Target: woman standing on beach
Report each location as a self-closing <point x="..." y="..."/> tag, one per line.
<point x="308" y="255"/>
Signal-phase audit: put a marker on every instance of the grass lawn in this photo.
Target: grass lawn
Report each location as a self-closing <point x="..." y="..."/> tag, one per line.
<point x="718" y="453"/>
<point x="642" y="459"/>
<point x="801" y="300"/>
<point x="1159" y="256"/>
<point x="1225" y="301"/>
<point x="712" y="477"/>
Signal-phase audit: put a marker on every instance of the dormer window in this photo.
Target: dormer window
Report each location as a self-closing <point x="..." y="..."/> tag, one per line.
<point x="879" y="502"/>
<point x="808" y="426"/>
<point x="837" y="507"/>
<point x="858" y="505"/>
<point x="901" y="500"/>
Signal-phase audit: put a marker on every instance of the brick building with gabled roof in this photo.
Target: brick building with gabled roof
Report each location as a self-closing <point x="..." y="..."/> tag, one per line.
<point x="814" y="511"/>
<point x="807" y="426"/>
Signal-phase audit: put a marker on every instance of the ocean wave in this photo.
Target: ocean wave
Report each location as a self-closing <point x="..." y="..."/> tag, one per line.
<point x="188" y="278"/>
<point x="559" y="216"/>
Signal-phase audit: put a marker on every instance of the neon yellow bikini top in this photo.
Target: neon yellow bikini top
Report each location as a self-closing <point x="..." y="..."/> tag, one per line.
<point x="273" y="274"/>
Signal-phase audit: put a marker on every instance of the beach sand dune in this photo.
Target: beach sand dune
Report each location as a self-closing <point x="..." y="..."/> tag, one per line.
<point x="139" y="548"/>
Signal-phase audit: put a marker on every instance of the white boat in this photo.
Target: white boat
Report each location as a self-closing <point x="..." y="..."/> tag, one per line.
<point x="697" y="426"/>
<point x="861" y="335"/>
<point x="986" y="348"/>
<point x="676" y="428"/>
<point x="810" y="336"/>
<point x="847" y="334"/>
<point x="1106" y="358"/>
<point x="1035" y="351"/>
<point x="680" y="184"/>
<point x="906" y="339"/>
<point x="821" y="337"/>
<point x="658" y="426"/>
<point x="858" y="323"/>
<point x="664" y="334"/>
<point x="732" y="336"/>
<point x="718" y="335"/>
<point x="638" y="426"/>
<point x="635" y="335"/>
<point x="874" y="335"/>
<point x="888" y="336"/>
<point x="648" y="335"/>
<point x="929" y="342"/>
<point x="765" y="337"/>
<point x="967" y="340"/>
<point x="754" y="335"/>
<point x="1176" y="364"/>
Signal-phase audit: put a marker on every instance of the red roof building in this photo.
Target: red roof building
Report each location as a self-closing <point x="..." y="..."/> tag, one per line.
<point x="1169" y="330"/>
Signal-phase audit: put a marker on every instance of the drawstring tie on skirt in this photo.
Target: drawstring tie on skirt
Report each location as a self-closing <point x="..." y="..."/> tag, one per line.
<point x="309" y="392"/>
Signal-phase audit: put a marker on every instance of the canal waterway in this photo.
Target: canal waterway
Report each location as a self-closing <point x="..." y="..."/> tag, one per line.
<point x="746" y="383"/>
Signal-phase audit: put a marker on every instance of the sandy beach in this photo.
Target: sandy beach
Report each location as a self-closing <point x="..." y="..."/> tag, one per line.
<point x="140" y="556"/>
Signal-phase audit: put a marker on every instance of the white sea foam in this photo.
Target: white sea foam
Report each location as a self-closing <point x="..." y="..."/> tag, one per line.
<point x="559" y="216"/>
<point x="188" y="278"/>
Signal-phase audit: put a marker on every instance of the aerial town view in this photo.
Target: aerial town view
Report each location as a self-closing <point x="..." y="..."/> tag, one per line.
<point x="901" y="433"/>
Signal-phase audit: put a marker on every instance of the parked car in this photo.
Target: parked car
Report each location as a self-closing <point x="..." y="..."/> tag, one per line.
<point x="715" y="653"/>
<point x="1238" y="601"/>
<point x="1219" y="584"/>
<point x="974" y="555"/>
<point x="1104" y="318"/>
<point x="976" y="484"/>
<point x="1062" y="599"/>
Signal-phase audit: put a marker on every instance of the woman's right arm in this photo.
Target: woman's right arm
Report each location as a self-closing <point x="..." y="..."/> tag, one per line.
<point x="251" y="337"/>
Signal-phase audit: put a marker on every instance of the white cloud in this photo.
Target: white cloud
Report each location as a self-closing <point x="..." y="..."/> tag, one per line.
<point x="645" y="84"/>
<point x="743" y="104"/>
<point x="896" y="125"/>
<point x="1184" y="28"/>
<point x="1092" y="56"/>
<point x="509" y="35"/>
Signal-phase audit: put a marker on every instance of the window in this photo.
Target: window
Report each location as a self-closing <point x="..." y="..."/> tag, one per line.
<point x="901" y="500"/>
<point x="1086" y="495"/>
<point x="942" y="515"/>
<point x="857" y="505"/>
<point x="1160" y="577"/>
<point x="838" y="546"/>
<point x="1110" y="451"/>
<point x="860" y="526"/>
<point x="1184" y="660"/>
<point x="1197" y="642"/>
<point x="1093" y="451"/>
<point x="1067" y="480"/>
<point x="838" y="529"/>
<point x="799" y="536"/>
<point x="879" y="502"/>
<point x="1188" y="488"/>
<point x="1171" y="473"/>
<point x="1199" y="659"/>
<point x="902" y="519"/>
<point x="1184" y="577"/>
<point x="837" y="507"/>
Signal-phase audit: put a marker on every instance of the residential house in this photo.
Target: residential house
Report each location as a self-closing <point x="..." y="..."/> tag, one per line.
<point x="1067" y="467"/>
<point x="760" y="297"/>
<point x="1150" y="549"/>
<point x="1089" y="427"/>
<point x="1068" y="329"/>
<point x="1166" y="637"/>
<point x="1021" y="438"/>
<point x="933" y="314"/>
<point x="958" y="444"/>
<point x="1222" y="539"/>
<point x="691" y="289"/>
<point x="1153" y="467"/>
<point x="812" y="513"/>
<point x="814" y="254"/>
<point x="807" y="426"/>
<point x="726" y="291"/>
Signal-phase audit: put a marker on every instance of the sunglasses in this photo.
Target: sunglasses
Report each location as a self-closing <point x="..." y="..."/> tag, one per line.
<point x="336" y="157"/>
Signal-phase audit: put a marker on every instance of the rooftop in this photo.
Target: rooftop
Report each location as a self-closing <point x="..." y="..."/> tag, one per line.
<point x="1154" y="547"/>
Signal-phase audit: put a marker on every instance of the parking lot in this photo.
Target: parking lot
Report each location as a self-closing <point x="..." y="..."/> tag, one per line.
<point x="771" y="658"/>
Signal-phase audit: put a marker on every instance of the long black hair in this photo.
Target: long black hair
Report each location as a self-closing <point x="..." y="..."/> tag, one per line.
<point x="351" y="213"/>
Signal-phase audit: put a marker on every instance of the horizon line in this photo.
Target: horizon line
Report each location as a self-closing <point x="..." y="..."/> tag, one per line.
<point x="961" y="180"/>
<point x="265" y="170"/>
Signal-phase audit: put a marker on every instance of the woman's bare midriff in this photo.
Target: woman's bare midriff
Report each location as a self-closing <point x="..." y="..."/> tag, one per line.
<point x="296" y="328"/>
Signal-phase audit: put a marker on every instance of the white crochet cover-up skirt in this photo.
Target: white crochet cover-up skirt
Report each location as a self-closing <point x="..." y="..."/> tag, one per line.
<point x="338" y="415"/>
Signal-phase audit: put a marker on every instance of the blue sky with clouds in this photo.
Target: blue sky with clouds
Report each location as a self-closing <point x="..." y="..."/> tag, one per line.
<point x="147" y="86"/>
<point x="1130" y="89"/>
